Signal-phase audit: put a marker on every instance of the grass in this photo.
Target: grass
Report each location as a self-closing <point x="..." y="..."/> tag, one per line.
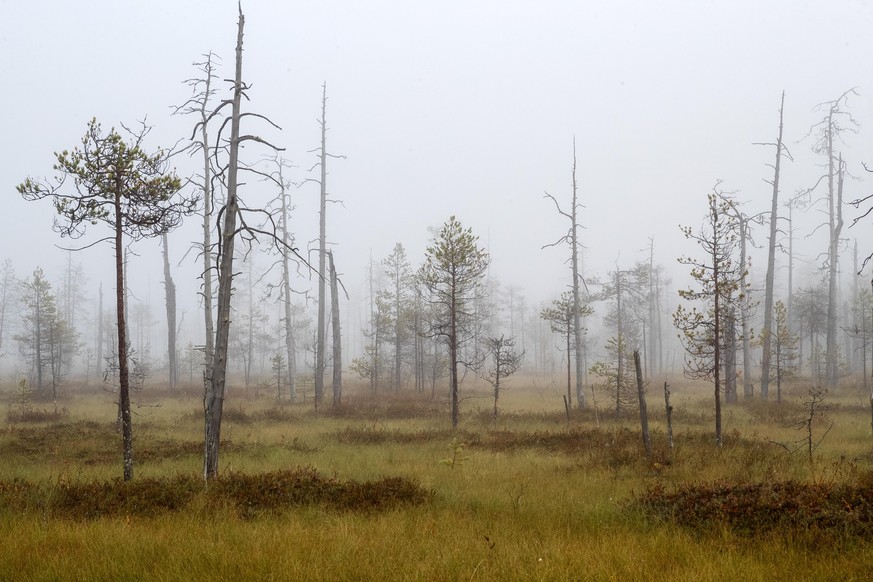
<point x="537" y="498"/>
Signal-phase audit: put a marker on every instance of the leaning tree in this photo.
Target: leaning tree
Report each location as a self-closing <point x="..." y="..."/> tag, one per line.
<point x="115" y="181"/>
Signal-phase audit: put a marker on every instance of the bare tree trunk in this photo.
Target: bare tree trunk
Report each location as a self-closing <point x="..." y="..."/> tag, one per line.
<point x="669" y="411"/>
<point x="208" y="203"/>
<point x="453" y="357"/>
<point x="730" y="356"/>
<point x="100" y="327"/>
<point x="748" y="388"/>
<point x="771" y="268"/>
<point x="650" y="340"/>
<point x="322" y="256"/>
<point x="619" y="354"/>
<point x="835" y="220"/>
<point x="123" y="373"/>
<point x="397" y="324"/>
<point x="290" y="347"/>
<point x="337" y="335"/>
<point x="577" y="300"/>
<point x="170" y="291"/>
<point x="717" y="328"/>
<point x="641" y="396"/>
<point x="374" y="356"/>
<point x="215" y="389"/>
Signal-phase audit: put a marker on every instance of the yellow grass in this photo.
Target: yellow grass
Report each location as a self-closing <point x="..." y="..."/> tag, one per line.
<point x="518" y="513"/>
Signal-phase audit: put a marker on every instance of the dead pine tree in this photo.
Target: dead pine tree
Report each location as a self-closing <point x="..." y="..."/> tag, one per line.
<point x="233" y="225"/>
<point x="668" y="408"/>
<point x="170" y="293"/>
<point x="641" y="396"/>
<point x="827" y="135"/>
<point x="111" y="180"/>
<point x="767" y="332"/>
<point x="282" y="206"/>
<point x="199" y="105"/>
<point x="320" y="336"/>
<point x="337" y="356"/>
<point x="572" y="239"/>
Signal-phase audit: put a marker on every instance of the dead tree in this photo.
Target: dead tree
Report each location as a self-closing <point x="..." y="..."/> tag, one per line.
<point x="641" y="395"/>
<point x="320" y="341"/>
<point x="287" y="243"/>
<point x="572" y="239"/>
<point x="827" y="133"/>
<point x="170" y="293"/>
<point x="233" y="225"/>
<point x="767" y="332"/>
<point x="198" y="105"/>
<point x="337" y="358"/>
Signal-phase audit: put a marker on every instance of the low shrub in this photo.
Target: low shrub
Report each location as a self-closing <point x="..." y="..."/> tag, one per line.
<point x="246" y="495"/>
<point x="754" y="508"/>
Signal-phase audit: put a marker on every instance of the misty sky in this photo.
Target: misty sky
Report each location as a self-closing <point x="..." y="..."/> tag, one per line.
<point x="441" y="108"/>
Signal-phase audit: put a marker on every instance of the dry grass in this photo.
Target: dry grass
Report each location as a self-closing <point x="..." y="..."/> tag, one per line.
<point x="536" y="496"/>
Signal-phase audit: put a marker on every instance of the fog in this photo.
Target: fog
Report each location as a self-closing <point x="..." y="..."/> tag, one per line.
<point x="450" y="108"/>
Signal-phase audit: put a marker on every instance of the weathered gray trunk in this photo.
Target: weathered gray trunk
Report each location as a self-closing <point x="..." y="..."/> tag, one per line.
<point x="337" y="335"/>
<point x="767" y="332"/>
<point x="641" y="396"/>
<point x="170" y="292"/>
<point x="100" y="327"/>
<point x="835" y="221"/>
<point x="208" y="199"/>
<point x="322" y="256"/>
<point x="215" y="388"/>
<point x="833" y="242"/>
<point x="730" y="356"/>
<point x="290" y="347"/>
<point x="748" y="389"/>
<point x="577" y="300"/>
<point x="397" y="326"/>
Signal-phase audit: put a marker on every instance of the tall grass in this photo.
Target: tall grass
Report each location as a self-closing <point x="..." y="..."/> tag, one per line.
<point x="537" y="498"/>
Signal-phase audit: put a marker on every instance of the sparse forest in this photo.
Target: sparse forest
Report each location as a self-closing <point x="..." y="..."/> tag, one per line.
<point x="245" y="356"/>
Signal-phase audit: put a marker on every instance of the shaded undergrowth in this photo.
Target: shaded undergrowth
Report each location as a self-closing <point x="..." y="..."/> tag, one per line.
<point x="842" y="509"/>
<point x="247" y="496"/>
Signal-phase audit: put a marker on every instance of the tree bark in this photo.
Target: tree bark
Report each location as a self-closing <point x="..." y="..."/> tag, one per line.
<point x="641" y="396"/>
<point x="208" y="203"/>
<point x="577" y="306"/>
<point x="170" y="292"/>
<point x="123" y="372"/>
<point x="215" y="390"/>
<point x="290" y="347"/>
<point x="322" y="256"/>
<point x="771" y="268"/>
<point x="337" y="335"/>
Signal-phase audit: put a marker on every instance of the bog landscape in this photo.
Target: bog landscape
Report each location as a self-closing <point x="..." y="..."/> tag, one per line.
<point x="508" y="293"/>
